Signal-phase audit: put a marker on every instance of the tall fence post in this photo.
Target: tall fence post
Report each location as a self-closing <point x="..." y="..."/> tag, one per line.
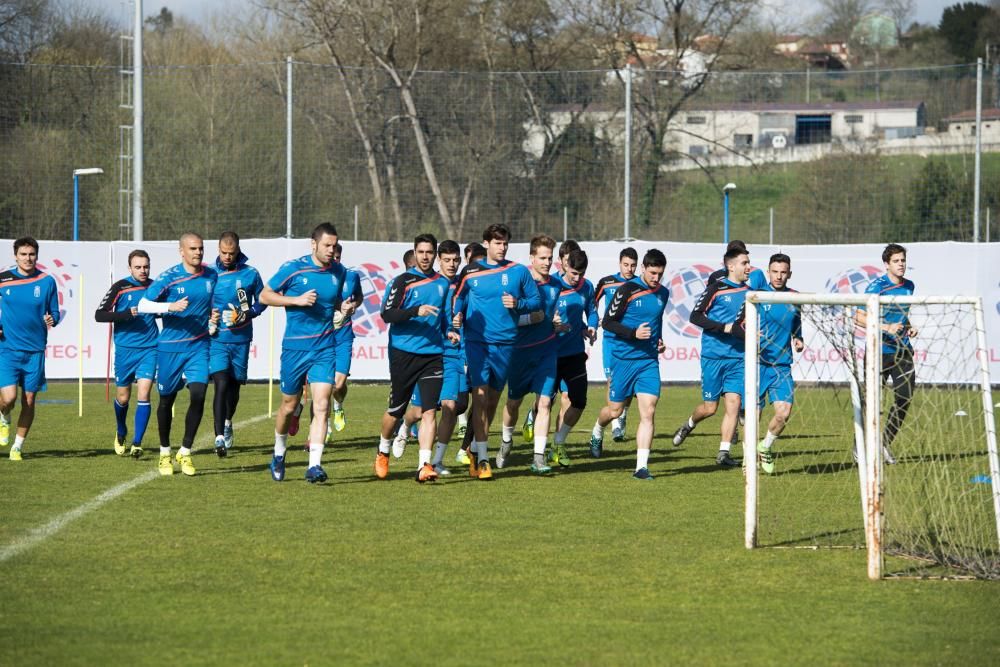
<point x="288" y="147"/>
<point x="628" y="148"/>
<point x="565" y="223"/>
<point x="770" y="234"/>
<point x="979" y="148"/>
<point x="355" y="222"/>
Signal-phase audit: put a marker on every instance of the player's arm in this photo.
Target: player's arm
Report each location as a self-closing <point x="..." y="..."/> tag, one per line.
<point x="757" y="280"/>
<point x="258" y="306"/>
<point x="798" y="342"/>
<point x="153" y="303"/>
<point x="106" y="312"/>
<point x="273" y="295"/>
<point x="52" y="307"/>
<point x="393" y="310"/>
<point x="460" y="300"/>
<point x="531" y="298"/>
<point x="616" y="313"/>
<point x="699" y="316"/>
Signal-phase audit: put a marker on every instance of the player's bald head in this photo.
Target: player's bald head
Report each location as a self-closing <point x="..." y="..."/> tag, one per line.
<point x="188" y="237"/>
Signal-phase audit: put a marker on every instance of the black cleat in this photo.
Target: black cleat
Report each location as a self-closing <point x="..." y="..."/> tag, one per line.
<point x="681" y="433"/>
<point x="726" y="461"/>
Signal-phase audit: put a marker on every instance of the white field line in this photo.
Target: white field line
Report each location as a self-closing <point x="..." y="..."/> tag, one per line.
<point x="38" y="535"/>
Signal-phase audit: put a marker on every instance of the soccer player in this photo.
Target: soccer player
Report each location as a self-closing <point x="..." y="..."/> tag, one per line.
<point x="29" y="307"/>
<point x="415" y="307"/>
<point x="780" y="333"/>
<point x="528" y="428"/>
<point x="491" y="296"/>
<point x="473" y="253"/>
<point x="409" y="260"/>
<point x="237" y="297"/>
<point x="628" y="260"/>
<point x="578" y="310"/>
<point x="757" y="281"/>
<point x="897" y="351"/>
<point x="135" y="337"/>
<point x="183" y="294"/>
<point x="533" y="367"/>
<point x="719" y="313"/>
<point x="635" y="316"/>
<point x="353" y="296"/>
<point x="310" y="290"/>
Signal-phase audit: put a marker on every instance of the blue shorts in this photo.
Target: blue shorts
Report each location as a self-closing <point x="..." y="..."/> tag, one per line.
<point x="489" y="363"/>
<point x="174" y="368"/>
<point x="721" y="376"/>
<point x="133" y="364"/>
<point x="345" y="349"/>
<point x="312" y="366"/>
<point x="533" y="371"/>
<point x="634" y="376"/>
<point x="776" y="384"/>
<point x="456" y="379"/>
<point x="230" y="357"/>
<point x="20" y="367"/>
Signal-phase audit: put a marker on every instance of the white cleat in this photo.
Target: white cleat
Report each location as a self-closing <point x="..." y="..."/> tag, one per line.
<point x="399" y="446"/>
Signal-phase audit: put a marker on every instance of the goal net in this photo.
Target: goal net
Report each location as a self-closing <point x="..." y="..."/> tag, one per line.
<point x="890" y="445"/>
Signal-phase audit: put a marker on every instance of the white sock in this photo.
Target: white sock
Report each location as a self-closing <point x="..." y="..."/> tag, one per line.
<point x="424" y="457"/>
<point x="5" y="417"/>
<point x="463" y="420"/>
<point x="18" y="441"/>
<point x="337" y="405"/>
<point x="315" y="454"/>
<point x="724" y="446"/>
<point x="229" y="423"/>
<point x="164" y="451"/>
<point x="598" y="431"/>
<point x="280" y="444"/>
<point x="540" y="442"/>
<point x="384" y="445"/>
<point x="439" y="450"/>
<point x="507" y="433"/>
<point x="404" y="429"/>
<point x="562" y="434"/>
<point x="641" y="458"/>
<point x="769" y="439"/>
<point x="184" y="451"/>
<point x="690" y="423"/>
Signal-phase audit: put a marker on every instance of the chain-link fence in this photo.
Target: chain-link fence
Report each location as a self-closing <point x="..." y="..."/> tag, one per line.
<point x="831" y="157"/>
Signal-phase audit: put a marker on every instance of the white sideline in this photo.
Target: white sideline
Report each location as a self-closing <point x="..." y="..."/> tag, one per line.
<point x="38" y="535"/>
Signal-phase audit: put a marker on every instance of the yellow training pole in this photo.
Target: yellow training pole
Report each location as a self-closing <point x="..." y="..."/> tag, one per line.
<point x="270" y="361"/>
<point x="79" y="349"/>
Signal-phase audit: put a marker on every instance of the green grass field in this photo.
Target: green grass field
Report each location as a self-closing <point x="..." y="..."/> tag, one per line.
<point x="586" y="567"/>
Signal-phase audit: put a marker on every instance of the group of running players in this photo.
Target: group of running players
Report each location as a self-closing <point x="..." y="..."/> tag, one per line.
<point x="457" y="338"/>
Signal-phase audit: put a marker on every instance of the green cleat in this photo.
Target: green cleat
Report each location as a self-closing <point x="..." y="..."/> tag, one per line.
<point x="339" y="420"/>
<point x="119" y="445"/>
<point x="766" y="458"/>
<point x="4" y="430"/>
<point x="560" y="457"/>
<point x="528" y="432"/>
<point x="540" y="469"/>
<point x="15" y="454"/>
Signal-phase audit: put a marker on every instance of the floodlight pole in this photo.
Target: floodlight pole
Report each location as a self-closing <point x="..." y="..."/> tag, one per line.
<point x="137" y="156"/>
<point x="628" y="149"/>
<point x="979" y="149"/>
<point x="725" y="210"/>
<point x="288" y="148"/>
<point x="77" y="173"/>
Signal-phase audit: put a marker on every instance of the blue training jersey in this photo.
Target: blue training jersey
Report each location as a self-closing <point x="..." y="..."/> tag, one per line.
<point x="135" y="331"/>
<point x="25" y="300"/>
<point x="241" y="276"/>
<point x="309" y="327"/>
<point x="403" y="297"/>
<point x="479" y="297"/>
<point x="578" y="309"/>
<point x="720" y="304"/>
<point x="352" y="290"/>
<point x="893" y="313"/>
<point x="605" y="292"/>
<point x="779" y="323"/>
<point x="454" y="352"/>
<point x="635" y="304"/>
<point x="181" y="329"/>
<point x="542" y="333"/>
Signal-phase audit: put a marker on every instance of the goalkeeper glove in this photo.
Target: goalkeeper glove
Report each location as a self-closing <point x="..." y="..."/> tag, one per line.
<point x="233" y="316"/>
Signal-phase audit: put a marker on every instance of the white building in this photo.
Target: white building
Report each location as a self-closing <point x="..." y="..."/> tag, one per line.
<point x="963" y="124"/>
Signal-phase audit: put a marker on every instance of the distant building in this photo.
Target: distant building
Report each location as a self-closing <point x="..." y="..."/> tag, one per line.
<point x="739" y="127"/>
<point x="963" y="124"/>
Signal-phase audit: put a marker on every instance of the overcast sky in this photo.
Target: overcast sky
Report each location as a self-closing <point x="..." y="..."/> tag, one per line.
<point x="928" y="11"/>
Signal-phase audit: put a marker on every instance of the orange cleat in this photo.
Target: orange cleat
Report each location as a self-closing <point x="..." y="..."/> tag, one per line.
<point x="426" y="473"/>
<point x="381" y="465"/>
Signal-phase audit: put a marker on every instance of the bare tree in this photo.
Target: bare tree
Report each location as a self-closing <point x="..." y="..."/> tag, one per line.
<point x="24" y="27"/>
<point x="900" y="11"/>
<point x="838" y="17"/>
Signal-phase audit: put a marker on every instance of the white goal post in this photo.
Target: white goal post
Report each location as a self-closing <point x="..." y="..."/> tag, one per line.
<point x="862" y="373"/>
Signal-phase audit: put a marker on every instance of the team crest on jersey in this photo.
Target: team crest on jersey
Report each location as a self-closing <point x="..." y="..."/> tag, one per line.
<point x="503" y="280"/>
<point x="37" y="291"/>
<point x="239" y="283"/>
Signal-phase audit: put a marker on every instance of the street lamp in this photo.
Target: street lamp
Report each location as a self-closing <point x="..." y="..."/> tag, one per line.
<point x="77" y="173"/>
<point x="726" y="189"/>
